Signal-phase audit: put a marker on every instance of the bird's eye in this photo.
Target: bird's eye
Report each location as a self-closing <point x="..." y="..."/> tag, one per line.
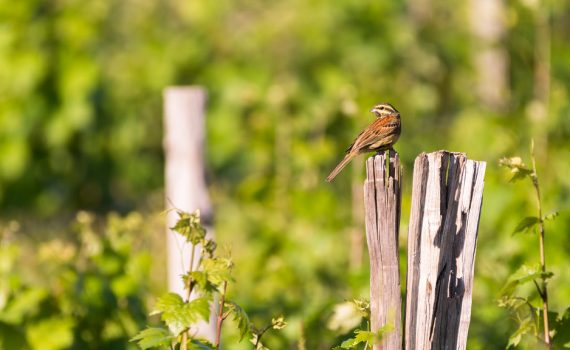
<point x="382" y="108"/>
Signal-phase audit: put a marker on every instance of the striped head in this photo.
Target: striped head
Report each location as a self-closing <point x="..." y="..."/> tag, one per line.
<point x="382" y="110"/>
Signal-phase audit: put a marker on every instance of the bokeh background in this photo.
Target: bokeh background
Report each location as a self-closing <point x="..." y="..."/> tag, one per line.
<point x="290" y="84"/>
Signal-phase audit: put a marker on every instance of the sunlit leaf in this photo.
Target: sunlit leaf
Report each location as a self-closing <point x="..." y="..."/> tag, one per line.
<point x="527" y="325"/>
<point x="153" y="338"/>
<point x="217" y="270"/>
<point x="278" y="323"/>
<point x="360" y="336"/>
<point x="524" y="275"/>
<point x="179" y="315"/>
<point x="241" y="318"/>
<point x="188" y="225"/>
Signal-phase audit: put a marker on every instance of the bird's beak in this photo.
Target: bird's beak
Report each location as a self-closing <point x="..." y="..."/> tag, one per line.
<point x="373" y="110"/>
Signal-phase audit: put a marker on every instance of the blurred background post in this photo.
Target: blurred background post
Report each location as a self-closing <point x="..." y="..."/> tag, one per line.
<point x="185" y="182"/>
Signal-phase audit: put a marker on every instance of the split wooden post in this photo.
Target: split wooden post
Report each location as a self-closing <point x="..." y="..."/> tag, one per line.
<point x="185" y="184"/>
<point x="382" y="207"/>
<point x="446" y="205"/>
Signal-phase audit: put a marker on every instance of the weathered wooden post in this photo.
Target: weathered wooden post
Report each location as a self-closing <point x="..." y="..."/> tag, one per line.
<point x="382" y="207"/>
<point x="446" y="204"/>
<point x="185" y="187"/>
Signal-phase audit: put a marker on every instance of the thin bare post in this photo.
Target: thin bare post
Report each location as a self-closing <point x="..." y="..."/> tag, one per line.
<point x="185" y="187"/>
<point x="446" y="205"/>
<point x="382" y="207"/>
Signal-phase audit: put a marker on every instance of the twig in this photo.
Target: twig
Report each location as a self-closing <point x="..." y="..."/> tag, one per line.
<point x="189" y="285"/>
<point x="221" y="316"/>
<point x="544" y="293"/>
<point x="260" y="334"/>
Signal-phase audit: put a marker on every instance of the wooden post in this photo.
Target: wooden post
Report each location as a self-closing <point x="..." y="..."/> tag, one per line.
<point x="446" y="204"/>
<point x="382" y="207"/>
<point x="185" y="187"/>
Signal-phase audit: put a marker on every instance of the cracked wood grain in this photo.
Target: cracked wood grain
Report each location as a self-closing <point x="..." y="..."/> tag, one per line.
<point x="382" y="209"/>
<point x="446" y="205"/>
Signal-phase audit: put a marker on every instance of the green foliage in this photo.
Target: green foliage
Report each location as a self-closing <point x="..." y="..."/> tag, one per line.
<point x="240" y="317"/>
<point x="531" y="317"/>
<point x="88" y="292"/>
<point x="289" y="84"/>
<point x="158" y="338"/>
<point x="524" y="275"/>
<point x="188" y="226"/>
<point x="209" y="281"/>
<point x="179" y="315"/>
<point x="361" y="336"/>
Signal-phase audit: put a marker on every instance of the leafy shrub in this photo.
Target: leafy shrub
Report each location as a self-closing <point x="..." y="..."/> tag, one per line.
<point x="86" y="293"/>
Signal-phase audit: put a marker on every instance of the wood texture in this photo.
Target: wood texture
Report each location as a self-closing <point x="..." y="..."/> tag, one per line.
<point x="382" y="208"/>
<point x="446" y="205"/>
<point x="185" y="184"/>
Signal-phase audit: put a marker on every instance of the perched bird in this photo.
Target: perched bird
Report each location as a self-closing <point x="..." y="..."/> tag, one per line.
<point x="380" y="135"/>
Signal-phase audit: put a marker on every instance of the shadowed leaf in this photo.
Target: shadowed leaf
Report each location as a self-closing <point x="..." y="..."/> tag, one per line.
<point x="526" y="223"/>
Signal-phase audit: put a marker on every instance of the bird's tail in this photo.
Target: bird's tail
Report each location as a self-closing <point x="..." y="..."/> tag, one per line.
<point x="340" y="166"/>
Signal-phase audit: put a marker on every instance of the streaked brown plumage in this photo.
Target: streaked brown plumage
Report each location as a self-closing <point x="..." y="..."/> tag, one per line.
<point x="380" y="135"/>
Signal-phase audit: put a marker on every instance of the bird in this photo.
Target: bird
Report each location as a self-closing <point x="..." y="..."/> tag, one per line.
<point x="379" y="136"/>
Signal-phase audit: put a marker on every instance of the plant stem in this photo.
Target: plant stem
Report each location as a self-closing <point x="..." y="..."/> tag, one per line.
<point x="221" y="316"/>
<point x="184" y="345"/>
<point x="260" y="334"/>
<point x="190" y="269"/>
<point x="544" y="293"/>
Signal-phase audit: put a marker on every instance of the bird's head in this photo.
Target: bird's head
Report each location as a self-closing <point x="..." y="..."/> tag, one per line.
<point x="385" y="109"/>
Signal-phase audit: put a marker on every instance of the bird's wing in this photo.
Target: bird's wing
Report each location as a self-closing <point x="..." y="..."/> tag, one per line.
<point x="379" y="128"/>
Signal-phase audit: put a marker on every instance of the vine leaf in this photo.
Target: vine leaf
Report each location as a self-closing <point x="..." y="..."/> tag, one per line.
<point x="179" y="315"/>
<point x="524" y="275"/>
<point x="526" y="224"/>
<point x="153" y="337"/>
<point x="241" y="318"/>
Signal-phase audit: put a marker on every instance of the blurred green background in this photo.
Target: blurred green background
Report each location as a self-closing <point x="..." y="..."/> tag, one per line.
<point x="290" y="84"/>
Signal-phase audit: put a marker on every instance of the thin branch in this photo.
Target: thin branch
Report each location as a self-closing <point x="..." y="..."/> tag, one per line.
<point x="544" y="294"/>
<point x="538" y="289"/>
<point x="260" y="334"/>
<point x="221" y="317"/>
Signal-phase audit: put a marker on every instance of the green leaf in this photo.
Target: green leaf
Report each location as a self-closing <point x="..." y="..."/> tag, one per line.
<point x="519" y="174"/>
<point x="526" y="224"/>
<point x="201" y="279"/>
<point x="512" y="303"/>
<point x="217" y="270"/>
<point x="561" y="327"/>
<point x="200" y="344"/>
<point x="518" y="168"/>
<point x="153" y="338"/>
<point x="525" y="327"/>
<point x="363" y="306"/>
<point x="239" y="316"/>
<point x="210" y="247"/>
<point x="167" y="302"/>
<point x="524" y="275"/>
<point x="360" y="337"/>
<point x="188" y="225"/>
<point x="179" y="315"/>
